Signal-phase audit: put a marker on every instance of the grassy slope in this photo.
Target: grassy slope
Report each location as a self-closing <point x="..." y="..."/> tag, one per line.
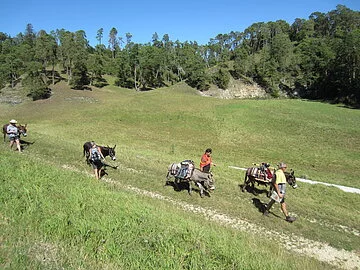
<point x="154" y="129"/>
<point x="53" y="218"/>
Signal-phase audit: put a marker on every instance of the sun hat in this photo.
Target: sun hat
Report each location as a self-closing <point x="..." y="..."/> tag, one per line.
<point x="282" y="165"/>
<point x="13" y="121"/>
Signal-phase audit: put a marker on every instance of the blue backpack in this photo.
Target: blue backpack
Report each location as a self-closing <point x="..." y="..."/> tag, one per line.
<point x="95" y="155"/>
<point x="185" y="170"/>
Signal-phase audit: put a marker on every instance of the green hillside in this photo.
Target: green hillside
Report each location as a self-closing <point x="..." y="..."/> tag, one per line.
<point x="52" y="205"/>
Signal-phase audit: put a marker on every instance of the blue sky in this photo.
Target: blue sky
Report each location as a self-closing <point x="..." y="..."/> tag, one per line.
<point x="186" y="20"/>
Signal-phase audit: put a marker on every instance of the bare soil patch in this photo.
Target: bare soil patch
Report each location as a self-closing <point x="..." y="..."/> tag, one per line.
<point x="237" y="89"/>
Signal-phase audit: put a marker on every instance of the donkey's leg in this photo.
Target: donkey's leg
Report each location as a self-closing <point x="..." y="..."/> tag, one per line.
<point x="245" y="183"/>
<point x="167" y="179"/>
<point x="206" y="187"/>
<point x="253" y="181"/>
<point x="87" y="157"/>
<point x="176" y="184"/>
<point x="190" y="189"/>
<point x="201" y="189"/>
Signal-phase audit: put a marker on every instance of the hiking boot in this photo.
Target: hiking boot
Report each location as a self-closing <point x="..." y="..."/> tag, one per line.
<point x="290" y="219"/>
<point x="266" y="213"/>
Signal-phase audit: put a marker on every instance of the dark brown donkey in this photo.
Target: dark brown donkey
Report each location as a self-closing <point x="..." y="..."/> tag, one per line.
<point x="105" y="150"/>
<point x="253" y="176"/>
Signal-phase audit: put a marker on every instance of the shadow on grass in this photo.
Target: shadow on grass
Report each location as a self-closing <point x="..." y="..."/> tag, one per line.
<point x="262" y="207"/>
<point x="25" y="144"/>
<point x="185" y="186"/>
<point x="104" y="170"/>
<point x="253" y="190"/>
<point x="178" y="187"/>
<point x="259" y="205"/>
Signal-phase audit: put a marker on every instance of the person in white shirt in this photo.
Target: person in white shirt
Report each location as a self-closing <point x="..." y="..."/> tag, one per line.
<point x="14" y="135"/>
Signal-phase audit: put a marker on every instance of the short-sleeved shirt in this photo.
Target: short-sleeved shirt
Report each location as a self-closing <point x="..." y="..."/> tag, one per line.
<point x="280" y="177"/>
<point x="280" y="180"/>
<point x="205" y="160"/>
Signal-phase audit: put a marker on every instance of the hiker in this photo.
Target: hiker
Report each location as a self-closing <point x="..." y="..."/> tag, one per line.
<point x="95" y="159"/>
<point x="279" y="184"/>
<point x="14" y="135"/>
<point x="206" y="161"/>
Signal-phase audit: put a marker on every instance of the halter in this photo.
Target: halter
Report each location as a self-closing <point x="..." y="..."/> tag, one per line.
<point x="291" y="179"/>
<point x="109" y="151"/>
<point x="22" y="130"/>
<point x="112" y="153"/>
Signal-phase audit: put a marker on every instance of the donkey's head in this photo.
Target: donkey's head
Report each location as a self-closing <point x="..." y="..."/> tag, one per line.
<point x="22" y="129"/>
<point x="112" y="152"/>
<point x="291" y="179"/>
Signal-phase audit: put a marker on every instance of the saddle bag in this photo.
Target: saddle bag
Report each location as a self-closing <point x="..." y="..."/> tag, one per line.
<point x="185" y="170"/>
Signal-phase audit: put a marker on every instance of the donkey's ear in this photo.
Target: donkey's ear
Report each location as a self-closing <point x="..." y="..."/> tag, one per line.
<point x="114" y="146"/>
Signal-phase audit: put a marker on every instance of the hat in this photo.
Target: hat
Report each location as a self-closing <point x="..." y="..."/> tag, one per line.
<point x="13" y="121"/>
<point x="282" y="165"/>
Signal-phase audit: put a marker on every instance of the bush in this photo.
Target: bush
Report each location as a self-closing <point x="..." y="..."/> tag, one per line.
<point x="199" y="80"/>
<point x="79" y="78"/>
<point x="36" y="87"/>
<point x="222" y="78"/>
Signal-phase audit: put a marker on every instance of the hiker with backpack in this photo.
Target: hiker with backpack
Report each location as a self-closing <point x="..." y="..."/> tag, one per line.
<point x="96" y="159"/>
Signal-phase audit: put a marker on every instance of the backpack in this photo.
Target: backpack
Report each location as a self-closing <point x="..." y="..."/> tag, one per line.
<point x="95" y="155"/>
<point x="185" y="170"/>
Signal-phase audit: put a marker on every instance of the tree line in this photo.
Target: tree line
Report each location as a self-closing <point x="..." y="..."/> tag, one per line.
<point x="315" y="58"/>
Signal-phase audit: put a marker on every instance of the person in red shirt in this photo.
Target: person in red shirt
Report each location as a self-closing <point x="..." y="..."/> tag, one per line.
<point x="206" y="161"/>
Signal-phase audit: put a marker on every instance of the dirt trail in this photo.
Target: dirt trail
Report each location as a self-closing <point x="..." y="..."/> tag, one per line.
<point x="321" y="251"/>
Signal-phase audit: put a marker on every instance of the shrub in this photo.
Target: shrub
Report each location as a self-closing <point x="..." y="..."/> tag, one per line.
<point x="222" y="78"/>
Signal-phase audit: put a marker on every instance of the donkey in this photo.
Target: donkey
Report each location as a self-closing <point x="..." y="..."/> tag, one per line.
<point x="204" y="181"/>
<point x="252" y="176"/>
<point x="105" y="150"/>
<point x="21" y="128"/>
